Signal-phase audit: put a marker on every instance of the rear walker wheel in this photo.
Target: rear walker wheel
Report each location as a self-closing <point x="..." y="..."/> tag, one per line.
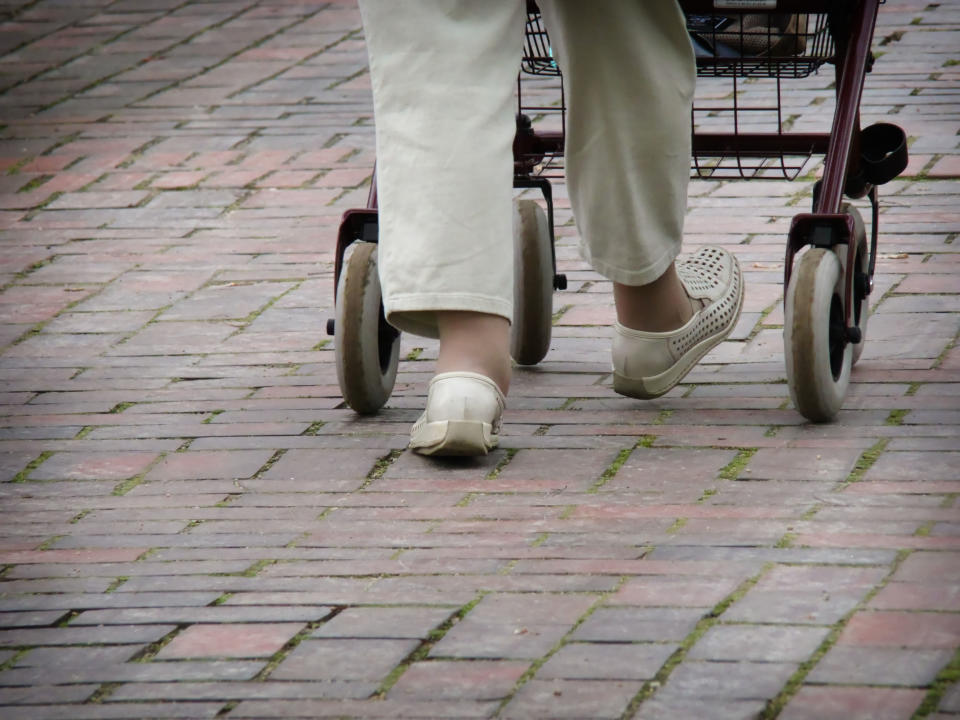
<point x="367" y="348"/>
<point x="533" y="284"/>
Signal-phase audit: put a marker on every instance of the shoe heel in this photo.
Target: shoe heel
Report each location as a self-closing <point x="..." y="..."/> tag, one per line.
<point x="457" y="438"/>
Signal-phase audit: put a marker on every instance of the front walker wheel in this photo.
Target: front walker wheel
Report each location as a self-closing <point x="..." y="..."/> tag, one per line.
<point x="817" y="354"/>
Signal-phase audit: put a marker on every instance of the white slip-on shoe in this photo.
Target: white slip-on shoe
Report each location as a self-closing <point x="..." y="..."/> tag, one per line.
<point x="463" y="415"/>
<point x="648" y="364"/>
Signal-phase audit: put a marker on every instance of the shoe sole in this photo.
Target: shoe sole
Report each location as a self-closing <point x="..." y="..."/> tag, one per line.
<point x="454" y="438"/>
<point x="654" y="386"/>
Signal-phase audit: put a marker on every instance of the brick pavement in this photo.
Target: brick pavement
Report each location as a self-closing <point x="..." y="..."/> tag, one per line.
<point x="194" y="527"/>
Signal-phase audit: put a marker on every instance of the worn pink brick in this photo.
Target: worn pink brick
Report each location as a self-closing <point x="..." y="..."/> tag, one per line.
<point x="199" y="464"/>
<point x="93" y="466"/>
<point x="902" y="629"/>
<point x="235" y="640"/>
<point x="846" y="703"/>
<point x="460" y="679"/>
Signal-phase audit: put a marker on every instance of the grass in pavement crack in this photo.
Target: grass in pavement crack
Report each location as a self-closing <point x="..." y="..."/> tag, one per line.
<point x="150" y="651"/>
<point x="896" y="417"/>
<point x="541" y="661"/>
<point x="732" y="470"/>
<point x="706" y="622"/>
<point x="866" y="460"/>
<point x="776" y="704"/>
<point x="102" y="693"/>
<point x="380" y="468"/>
<point x="504" y="461"/>
<point x="423" y="649"/>
<point x="945" y="679"/>
<point x="612" y="470"/>
<point x="281" y="654"/>
<point x="31" y="466"/>
<point x="116" y="583"/>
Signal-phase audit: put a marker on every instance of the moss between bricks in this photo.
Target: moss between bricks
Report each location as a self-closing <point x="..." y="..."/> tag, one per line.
<point x="776" y="704"/>
<point x="423" y="649"/>
<point x="866" y="460"/>
<point x="946" y="678"/>
<point x="31" y="466"/>
<point x="733" y="469"/>
<point x="614" y="468"/>
<point x="708" y="621"/>
<point x="504" y="461"/>
<point x="541" y="661"/>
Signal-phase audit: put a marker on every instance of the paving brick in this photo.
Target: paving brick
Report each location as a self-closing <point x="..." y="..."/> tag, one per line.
<point x="392" y="622"/>
<point x="845" y="665"/>
<point x="827" y="703"/>
<point x="606" y="661"/>
<point x="571" y="699"/>
<point x="663" y="708"/>
<point x="728" y="680"/>
<point x="758" y="643"/>
<point x="230" y="641"/>
<point x="902" y="629"/>
<point x="674" y="592"/>
<point x="93" y="466"/>
<point x="337" y="659"/>
<point x="459" y="679"/>
<point x="637" y="624"/>
<point x="381" y="709"/>
<point x="164" y="279"/>
<point x="209" y="464"/>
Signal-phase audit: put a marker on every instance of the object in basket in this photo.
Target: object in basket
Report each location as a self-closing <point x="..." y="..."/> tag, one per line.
<point x="748" y="35"/>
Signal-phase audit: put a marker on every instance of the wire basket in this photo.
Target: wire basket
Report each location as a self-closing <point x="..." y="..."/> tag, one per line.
<point x="537" y="53"/>
<point x="741" y="60"/>
<point x="781" y="45"/>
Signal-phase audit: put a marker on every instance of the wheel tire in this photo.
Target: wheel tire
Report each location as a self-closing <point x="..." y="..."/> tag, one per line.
<point x="533" y="284"/>
<point x="367" y="349"/>
<point x="861" y="307"/>
<point x="818" y="360"/>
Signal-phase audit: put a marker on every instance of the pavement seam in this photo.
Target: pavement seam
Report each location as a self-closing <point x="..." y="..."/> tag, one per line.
<point x="711" y="618"/>
<point x="426" y="644"/>
<point x="776" y="704"/>
<point x="541" y="661"/>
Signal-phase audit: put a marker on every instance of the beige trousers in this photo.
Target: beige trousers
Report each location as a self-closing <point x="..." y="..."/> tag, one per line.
<point x="444" y="73"/>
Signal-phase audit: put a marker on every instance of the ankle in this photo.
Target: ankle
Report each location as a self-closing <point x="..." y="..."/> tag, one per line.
<point x="475" y="342"/>
<point x="660" y="306"/>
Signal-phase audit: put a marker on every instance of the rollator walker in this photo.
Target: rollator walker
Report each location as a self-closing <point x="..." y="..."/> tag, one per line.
<point x="758" y="46"/>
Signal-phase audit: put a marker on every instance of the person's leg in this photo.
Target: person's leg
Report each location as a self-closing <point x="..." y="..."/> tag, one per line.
<point x="629" y="72"/>
<point x="443" y="74"/>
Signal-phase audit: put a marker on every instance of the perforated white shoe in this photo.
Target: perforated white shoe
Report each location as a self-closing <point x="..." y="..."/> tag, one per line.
<point x="648" y="364"/>
<point x="463" y="416"/>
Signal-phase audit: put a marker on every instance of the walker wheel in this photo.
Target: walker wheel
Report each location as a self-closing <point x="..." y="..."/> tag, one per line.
<point x="533" y="284"/>
<point x="861" y="300"/>
<point x="367" y="348"/>
<point x="817" y="354"/>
